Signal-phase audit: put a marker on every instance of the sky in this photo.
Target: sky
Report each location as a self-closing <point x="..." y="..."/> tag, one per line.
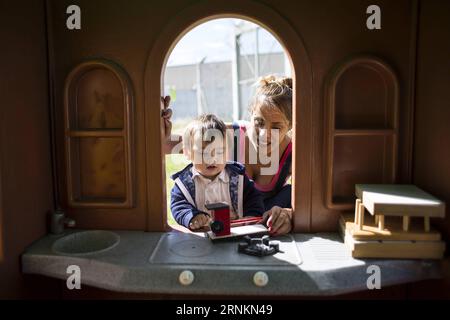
<point x="213" y="40"/>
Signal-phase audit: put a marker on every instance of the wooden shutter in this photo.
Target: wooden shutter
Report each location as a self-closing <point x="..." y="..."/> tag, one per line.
<point x="362" y="128"/>
<point x="98" y="136"/>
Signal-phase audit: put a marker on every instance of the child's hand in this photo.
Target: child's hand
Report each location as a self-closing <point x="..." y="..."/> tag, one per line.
<point x="199" y="221"/>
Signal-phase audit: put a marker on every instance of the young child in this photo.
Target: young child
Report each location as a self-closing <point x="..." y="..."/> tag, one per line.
<point x="210" y="179"/>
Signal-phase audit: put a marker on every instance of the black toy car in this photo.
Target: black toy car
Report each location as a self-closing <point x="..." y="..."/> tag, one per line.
<point x="259" y="247"/>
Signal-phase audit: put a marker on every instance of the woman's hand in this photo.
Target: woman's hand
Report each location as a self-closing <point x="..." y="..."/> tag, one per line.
<point x="279" y="220"/>
<point x="166" y="113"/>
<point x="171" y="141"/>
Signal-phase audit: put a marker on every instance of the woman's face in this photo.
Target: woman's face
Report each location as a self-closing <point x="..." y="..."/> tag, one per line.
<point x="265" y="124"/>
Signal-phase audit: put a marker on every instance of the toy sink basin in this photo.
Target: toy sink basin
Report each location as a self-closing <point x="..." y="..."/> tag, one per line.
<point x="86" y="242"/>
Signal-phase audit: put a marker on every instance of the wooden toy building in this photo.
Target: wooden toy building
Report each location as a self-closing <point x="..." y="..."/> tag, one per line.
<point x="397" y="223"/>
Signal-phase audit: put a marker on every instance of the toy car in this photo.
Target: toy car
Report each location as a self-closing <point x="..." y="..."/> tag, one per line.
<point x="259" y="247"/>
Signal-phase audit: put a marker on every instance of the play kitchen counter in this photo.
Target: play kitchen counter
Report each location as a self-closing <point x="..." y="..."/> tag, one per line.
<point x="177" y="263"/>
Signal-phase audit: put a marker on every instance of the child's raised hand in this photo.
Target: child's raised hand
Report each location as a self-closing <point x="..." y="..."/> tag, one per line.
<point x="200" y="221"/>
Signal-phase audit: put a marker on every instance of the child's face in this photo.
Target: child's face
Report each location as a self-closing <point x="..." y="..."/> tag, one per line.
<point x="209" y="159"/>
<point x="264" y="121"/>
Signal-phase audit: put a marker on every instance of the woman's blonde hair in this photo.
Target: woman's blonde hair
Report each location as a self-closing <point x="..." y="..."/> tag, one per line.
<point x="274" y="92"/>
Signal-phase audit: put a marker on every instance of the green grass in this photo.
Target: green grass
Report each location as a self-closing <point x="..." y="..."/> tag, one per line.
<point x="174" y="163"/>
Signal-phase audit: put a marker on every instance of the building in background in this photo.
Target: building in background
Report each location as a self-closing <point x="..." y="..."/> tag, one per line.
<point x="224" y="87"/>
<point x="216" y="86"/>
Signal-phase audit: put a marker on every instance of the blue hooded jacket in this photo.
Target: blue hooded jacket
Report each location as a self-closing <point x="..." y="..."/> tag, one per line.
<point x="246" y="199"/>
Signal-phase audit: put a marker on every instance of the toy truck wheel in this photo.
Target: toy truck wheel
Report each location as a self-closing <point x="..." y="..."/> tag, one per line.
<point x="275" y="245"/>
<point x="216" y="226"/>
<point x="242" y="246"/>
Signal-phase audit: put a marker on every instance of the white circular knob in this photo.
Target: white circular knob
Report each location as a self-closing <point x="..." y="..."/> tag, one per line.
<point x="260" y="279"/>
<point x="186" y="277"/>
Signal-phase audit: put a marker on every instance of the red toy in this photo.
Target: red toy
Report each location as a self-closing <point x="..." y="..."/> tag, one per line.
<point x="220" y="224"/>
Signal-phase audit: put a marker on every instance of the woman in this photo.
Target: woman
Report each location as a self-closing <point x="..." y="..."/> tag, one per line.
<point x="264" y="146"/>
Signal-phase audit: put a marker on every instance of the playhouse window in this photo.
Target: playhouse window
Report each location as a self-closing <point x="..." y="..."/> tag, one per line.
<point x="98" y="140"/>
<point x="213" y="69"/>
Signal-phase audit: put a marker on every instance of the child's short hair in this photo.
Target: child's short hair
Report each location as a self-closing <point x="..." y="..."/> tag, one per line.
<point x="274" y="92"/>
<point x="204" y="128"/>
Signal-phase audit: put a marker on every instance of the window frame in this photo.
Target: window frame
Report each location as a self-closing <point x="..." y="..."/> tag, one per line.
<point x="302" y="103"/>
